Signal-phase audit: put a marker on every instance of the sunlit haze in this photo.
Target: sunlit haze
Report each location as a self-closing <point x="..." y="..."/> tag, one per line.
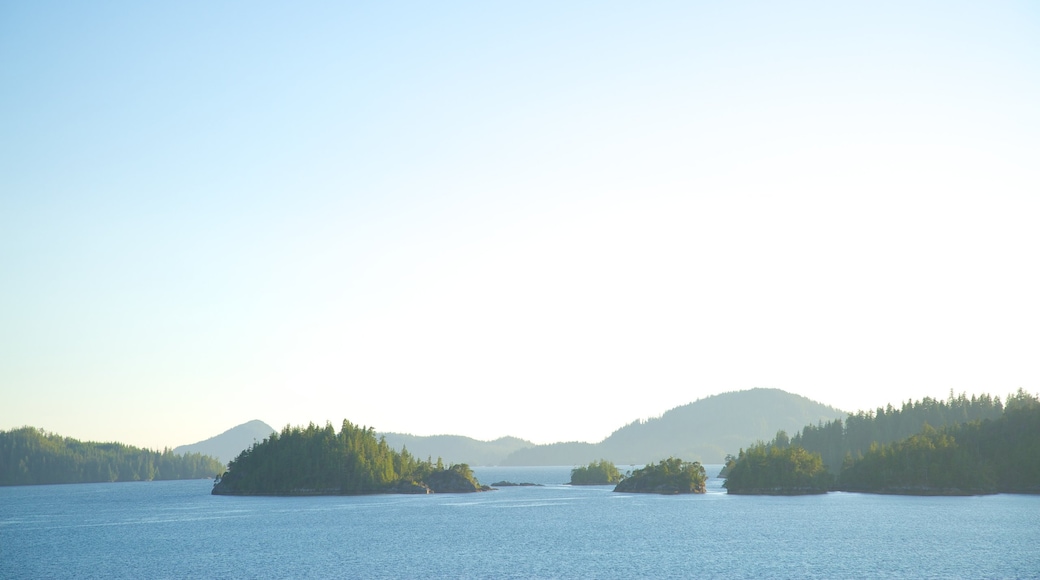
<point x="537" y="219"/>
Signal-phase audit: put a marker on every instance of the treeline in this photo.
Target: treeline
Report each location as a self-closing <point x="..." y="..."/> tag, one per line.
<point x="31" y="456"/>
<point x="318" y="460"/>
<point x="836" y="440"/>
<point x="988" y="455"/>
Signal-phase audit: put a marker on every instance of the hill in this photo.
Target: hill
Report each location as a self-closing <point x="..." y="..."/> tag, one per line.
<point x="230" y="443"/>
<point x="567" y="453"/>
<point x="705" y="430"/>
<point x="456" y="448"/>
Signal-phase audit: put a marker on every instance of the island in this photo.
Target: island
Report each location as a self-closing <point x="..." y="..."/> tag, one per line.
<point x="318" y="461"/>
<point x="600" y="472"/>
<point x="669" y="476"/>
<point x="772" y="470"/>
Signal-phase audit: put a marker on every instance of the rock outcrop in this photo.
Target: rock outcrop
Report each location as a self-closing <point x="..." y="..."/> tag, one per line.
<point x="452" y="481"/>
<point x="409" y="487"/>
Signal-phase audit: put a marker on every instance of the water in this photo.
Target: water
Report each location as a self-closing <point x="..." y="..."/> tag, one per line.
<point x="177" y="530"/>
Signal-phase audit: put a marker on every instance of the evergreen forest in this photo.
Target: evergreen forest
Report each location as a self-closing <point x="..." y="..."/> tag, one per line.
<point x="989" y="456"/>
<point x="837" y="439"/>
<point x="318" y="460"/>
<point x="31" y="456"/>
<point x="984" y="455"/>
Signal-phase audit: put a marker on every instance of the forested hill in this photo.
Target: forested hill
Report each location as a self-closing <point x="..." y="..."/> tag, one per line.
<point x="705" y="430"/>
<point x="30" y="456"/>
<point x="230" y="443"/>
<point x="456" y="448"/>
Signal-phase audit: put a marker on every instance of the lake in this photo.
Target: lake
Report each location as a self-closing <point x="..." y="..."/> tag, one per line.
<point x="176" y="529"/>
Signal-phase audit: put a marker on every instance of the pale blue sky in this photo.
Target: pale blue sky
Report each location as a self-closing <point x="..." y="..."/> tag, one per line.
<point x="535" y="219"/>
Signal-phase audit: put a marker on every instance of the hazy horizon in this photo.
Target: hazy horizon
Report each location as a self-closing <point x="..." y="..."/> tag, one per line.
<point x="540" y="220"/>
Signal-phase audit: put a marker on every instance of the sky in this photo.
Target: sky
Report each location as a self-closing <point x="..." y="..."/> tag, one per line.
<point x="536" y="219"/>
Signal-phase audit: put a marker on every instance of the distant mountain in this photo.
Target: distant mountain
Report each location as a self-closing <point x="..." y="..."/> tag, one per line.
<point x="705" y="431"/>
<point x="230" y="443"/>
<point x="568" y="453"/>
<point x="456" y="448"/>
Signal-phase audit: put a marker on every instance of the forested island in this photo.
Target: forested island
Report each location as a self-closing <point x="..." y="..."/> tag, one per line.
<point x="318" y="461"/>
<point x="998" y="454"/>
<point x="600" y="472"/>
<point x="668" y="476"/>
<point x="31" y="456"/>
<point x="772" y="470"/>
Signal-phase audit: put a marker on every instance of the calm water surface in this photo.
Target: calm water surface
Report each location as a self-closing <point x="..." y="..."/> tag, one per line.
<point x="177" y="530"/>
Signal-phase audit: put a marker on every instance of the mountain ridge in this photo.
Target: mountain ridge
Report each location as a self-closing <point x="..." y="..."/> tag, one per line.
<point x="704" y="430"/>
<point x="456" y="448"/>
